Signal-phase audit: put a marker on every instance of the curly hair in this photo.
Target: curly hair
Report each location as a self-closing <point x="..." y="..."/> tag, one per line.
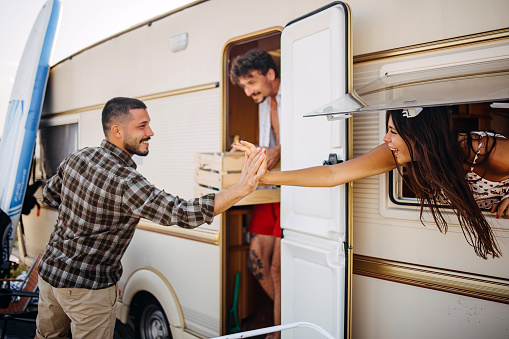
<point x="253" y="60"/>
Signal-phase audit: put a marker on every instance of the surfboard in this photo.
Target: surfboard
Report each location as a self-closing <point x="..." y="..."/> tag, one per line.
<point x="22" y="121"/>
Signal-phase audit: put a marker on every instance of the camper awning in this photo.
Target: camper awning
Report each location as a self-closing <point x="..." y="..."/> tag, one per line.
<point x="480" y="76"/>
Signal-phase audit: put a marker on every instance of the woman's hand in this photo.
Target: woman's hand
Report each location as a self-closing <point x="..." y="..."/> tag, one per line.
<point x="249" y="149"/>
<point x="502" y="209"/>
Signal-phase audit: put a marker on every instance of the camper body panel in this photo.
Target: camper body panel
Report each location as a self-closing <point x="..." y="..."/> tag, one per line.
<point x="184" y="92"/>
<point x="380" y="25"/>
<point x="387" y="230"/>
<point x="189" y="270"/>
<point x="384" y="229"/>
<point x="147" y="53"/>
<point x="142" y="61"/>
<point x="386" y="310"/>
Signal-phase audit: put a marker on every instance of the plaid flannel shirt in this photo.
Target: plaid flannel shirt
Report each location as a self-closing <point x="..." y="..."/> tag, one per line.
<point x="100" y="198"/>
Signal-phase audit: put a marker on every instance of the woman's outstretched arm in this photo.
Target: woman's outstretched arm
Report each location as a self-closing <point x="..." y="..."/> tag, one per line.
<point x="378" y="160"/>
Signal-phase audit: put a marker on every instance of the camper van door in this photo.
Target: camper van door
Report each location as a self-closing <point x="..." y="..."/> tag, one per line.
<point x="314" y="257"/>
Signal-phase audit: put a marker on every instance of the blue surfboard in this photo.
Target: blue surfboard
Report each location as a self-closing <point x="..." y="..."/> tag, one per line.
<point x="22" y="121"/>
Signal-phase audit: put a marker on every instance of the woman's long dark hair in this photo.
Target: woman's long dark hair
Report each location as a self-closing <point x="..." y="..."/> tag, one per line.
<point x="437" y="175"/>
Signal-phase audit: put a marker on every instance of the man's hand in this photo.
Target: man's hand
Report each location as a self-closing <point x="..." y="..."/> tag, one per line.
<point x="232" y="149"/>
<point x="273" y="156"/>
<point x="252" y="170"/>
<point x="273" y="153"/>
<point x="245" y="146"/>
<point x="251" y="174"/>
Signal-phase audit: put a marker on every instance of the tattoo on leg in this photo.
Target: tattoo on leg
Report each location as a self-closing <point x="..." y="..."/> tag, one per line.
<point x="254" y="264"/>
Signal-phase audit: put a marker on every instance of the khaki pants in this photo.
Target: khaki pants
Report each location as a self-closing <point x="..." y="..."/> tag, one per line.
<point x="89" y="313"/>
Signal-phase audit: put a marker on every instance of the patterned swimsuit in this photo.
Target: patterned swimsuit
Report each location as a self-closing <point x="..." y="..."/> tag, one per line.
<point x="486" y="192"/>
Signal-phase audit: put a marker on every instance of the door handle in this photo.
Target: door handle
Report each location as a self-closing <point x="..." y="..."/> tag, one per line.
<point x="333" y="159"/>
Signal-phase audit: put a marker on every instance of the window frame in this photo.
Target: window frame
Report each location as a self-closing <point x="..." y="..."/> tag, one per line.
<point x="394" y="181"/>
<point x="49" y="123"/>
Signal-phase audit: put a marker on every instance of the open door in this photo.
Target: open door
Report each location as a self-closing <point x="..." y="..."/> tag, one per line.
<point x="315" y="249"/>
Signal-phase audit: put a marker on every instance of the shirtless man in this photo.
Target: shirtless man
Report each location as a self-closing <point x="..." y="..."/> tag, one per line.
<point x="257" y="74"/>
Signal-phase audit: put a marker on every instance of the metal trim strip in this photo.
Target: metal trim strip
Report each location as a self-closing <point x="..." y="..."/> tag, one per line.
<point x="206" y="237"/>
<point x="445" y="280"/>
<point x="165" y="94"/>
<point x="498" y="34"/>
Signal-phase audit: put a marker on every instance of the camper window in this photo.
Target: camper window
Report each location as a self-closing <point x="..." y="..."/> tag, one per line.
<point x="56" y="142"/>
<point x="474" y="117"/>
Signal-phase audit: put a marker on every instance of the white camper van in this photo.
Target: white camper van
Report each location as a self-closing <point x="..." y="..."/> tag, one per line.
<point x="356" y="259"/>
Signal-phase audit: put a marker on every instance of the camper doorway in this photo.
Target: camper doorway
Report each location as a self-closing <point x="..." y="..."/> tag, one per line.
<point x="246" y="301"/>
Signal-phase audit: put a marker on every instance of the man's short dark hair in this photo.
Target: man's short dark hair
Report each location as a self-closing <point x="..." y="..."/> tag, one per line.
<point x="117" y="110"/>
<point x="253" y="60"/>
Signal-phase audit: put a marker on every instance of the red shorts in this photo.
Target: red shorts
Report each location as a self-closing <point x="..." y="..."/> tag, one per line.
<point x="266" y="220"/>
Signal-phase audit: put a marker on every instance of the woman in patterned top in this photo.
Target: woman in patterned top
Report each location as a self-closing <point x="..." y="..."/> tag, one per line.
<point x="467" y="171"/>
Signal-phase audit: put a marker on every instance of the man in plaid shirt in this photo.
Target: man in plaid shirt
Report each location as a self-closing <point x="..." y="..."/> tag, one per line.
<point x="100" y="198"/>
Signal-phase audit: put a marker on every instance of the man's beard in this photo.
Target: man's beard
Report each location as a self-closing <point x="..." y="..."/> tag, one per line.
<point x="132" y="146"/>
<point x="259" y="101"/>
